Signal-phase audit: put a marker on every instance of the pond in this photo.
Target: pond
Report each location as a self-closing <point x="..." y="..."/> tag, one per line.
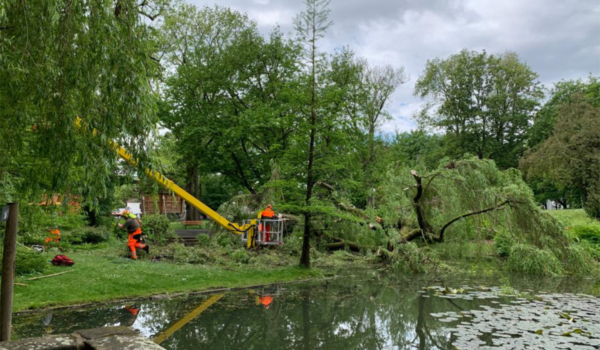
<point x="364" y="309"/>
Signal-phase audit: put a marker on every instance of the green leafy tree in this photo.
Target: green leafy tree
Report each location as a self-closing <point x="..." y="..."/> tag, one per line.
<point x="544" y="187"/>
<point x="484" y="103"/>
<point x="570" y="158"/>
<point x="60" y="60"/>
<point x="563" y="92"/>
<point x="228" y="99"/>
<point x="363" y="93"/>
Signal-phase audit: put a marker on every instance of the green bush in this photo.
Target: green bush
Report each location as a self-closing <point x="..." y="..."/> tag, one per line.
<point x="87" y="235"/>
<point x="203" y="240"/>
<point x="34" y="218"/>
<point x="157" y="227"/>
<point x="94" y="235"/>
<point x="227" y="239"/>
<point x="177" y="252"/>
<point x="530" y="260"/>
<point x="503" y="242"/>
<point x="590" y="233"/>
<point x="28" y="262"/>
<point x="592" y="249"/>
<point x="240" y="256"/>
<point x="409" y="258"/>
<point x="579" y="260"/>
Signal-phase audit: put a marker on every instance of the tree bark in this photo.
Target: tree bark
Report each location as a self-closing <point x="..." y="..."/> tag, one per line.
<point x="425" y="227"/>
<point x="440" y="237"/>
<point x="8" y="271"/>
<point x="305" y="257"/>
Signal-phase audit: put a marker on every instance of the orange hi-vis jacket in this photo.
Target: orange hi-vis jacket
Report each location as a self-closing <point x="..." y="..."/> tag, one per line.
<point x="268" y="213"/>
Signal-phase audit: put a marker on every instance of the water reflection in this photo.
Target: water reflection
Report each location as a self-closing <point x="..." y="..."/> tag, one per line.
<point x="364" y="311"/>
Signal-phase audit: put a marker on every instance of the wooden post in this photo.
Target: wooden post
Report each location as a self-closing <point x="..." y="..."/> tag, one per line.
<point x="8" y="271"/>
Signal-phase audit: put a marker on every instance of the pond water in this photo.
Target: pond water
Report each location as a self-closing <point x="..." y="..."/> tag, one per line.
<point x="364" y="309"/>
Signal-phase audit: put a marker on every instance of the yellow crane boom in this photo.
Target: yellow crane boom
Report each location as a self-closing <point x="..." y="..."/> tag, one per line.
<point x="186" y="196"/>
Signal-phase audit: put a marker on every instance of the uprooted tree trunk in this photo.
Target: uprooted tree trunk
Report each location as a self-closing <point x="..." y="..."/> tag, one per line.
<point x="425" y="230"/>
<point x="341" y="244"/>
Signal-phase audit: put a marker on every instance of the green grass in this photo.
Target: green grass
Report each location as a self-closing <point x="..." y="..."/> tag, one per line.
<point x="97" y="277"/>
<point x="573" y="217"/>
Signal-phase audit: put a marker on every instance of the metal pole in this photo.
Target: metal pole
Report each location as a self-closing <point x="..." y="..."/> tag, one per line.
<point x="8" y="271"/>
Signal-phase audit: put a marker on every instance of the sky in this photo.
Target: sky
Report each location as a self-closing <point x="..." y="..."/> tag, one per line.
<point x="558" y="39"/>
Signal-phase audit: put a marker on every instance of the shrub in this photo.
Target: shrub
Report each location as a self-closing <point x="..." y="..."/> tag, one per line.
<point x="409" y="258"/>
<point x="203" y="240"/>
<point x="240" y="256"/>
<point x="86" y="235"/>
<point x="592" y="249"/>
<point x="579" y="260"/>
<point x="177" y="252"/>
<point x="503" y="242"/>
<point x="590" y="233"/>
<point x="157" y="228"/>
<point x="530" y="260"/>
<point x="28" y="262"/>
<point x="227" y="240"/>
<point x="94" y="235"/>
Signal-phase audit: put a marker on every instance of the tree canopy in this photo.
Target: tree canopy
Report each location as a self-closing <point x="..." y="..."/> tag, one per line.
<point x="484" y="103"/>
<point x="63" y="60"/>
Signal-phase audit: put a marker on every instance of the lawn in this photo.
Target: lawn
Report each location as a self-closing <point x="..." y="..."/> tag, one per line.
<point x="98" y="277"/>
<point x="573" y="217"/>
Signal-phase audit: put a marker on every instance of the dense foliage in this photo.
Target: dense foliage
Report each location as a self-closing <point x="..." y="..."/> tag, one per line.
<point x="63" y="60"/>
<point x="252" y="118"/>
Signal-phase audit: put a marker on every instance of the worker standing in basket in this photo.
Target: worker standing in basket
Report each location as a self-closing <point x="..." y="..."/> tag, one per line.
<point x="133" y="227"/>
<point x="267" y="214"/>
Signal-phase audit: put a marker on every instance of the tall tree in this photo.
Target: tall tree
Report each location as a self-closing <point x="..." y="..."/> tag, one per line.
<point x="562" y="92"/>
<point x="484" y="103"/>
<point x="228" y="94"/>
<point x="571" y="156"/>
<point x="366" y="91"/>
<point x="311" y="25"/>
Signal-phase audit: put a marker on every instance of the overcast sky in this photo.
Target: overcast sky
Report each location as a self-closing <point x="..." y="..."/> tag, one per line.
<point x="558" y="39"/>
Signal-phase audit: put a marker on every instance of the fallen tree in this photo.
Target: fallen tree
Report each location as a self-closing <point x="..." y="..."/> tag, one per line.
<point x="426" y="230"/>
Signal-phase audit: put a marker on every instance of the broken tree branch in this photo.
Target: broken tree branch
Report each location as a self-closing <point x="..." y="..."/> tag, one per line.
<point x="440" y="237"/>
<point x="52" y="275"/>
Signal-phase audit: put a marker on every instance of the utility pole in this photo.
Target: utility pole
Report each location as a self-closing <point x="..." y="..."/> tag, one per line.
<point x="8" y="271"/>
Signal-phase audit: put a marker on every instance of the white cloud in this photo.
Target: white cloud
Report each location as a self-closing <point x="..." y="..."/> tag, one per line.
<point x="558" y="39"/>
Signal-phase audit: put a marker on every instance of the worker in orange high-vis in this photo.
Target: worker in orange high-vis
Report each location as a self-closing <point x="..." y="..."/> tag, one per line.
<point x="129" y="315"/>
<point x="133" y="227"/>
<point x="267" y="214"/>
<point x="264" y="300"/>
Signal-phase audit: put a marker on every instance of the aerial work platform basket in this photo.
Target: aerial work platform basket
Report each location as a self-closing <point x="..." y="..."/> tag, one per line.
<point x="268" y="232"/>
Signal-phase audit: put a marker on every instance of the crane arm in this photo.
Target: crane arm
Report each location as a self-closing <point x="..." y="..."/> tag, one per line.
<point x="172" y="186"/>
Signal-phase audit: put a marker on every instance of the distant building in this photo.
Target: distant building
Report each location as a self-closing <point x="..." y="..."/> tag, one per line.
<point x="165" y="203"/>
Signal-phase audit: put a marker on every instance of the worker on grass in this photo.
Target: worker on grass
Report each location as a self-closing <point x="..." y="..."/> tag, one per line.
<point x="133" y="227"/>
<point x="267" y="214"/>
